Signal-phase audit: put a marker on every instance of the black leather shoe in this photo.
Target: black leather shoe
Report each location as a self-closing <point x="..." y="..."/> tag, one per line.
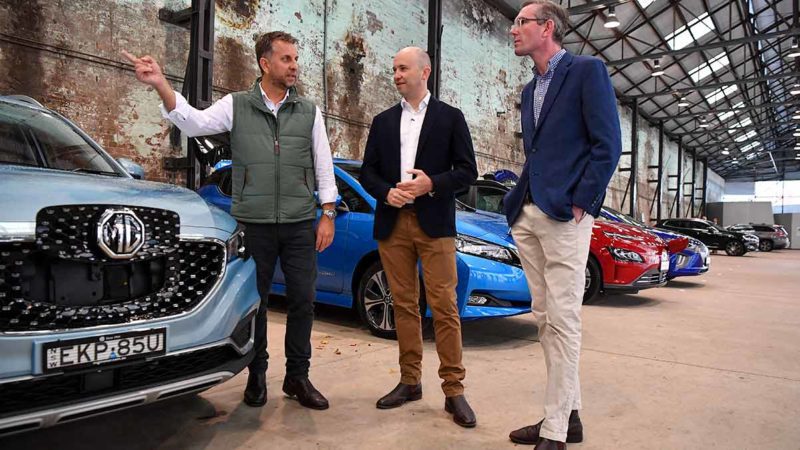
<point x="547" y="444"/>
<point x="301" y="389"/>
<point x="530" y="435"/>
<point x="400" y="394"/>
<point x="459" y="408"/>
<point x="255" y="394"/>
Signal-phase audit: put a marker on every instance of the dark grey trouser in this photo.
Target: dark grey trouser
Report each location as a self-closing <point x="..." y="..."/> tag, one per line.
<point x="294" y="244"/>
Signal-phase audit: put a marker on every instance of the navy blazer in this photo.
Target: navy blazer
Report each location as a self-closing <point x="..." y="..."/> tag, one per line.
<point x="444" y="153"/>
<point x="573" y="152"/>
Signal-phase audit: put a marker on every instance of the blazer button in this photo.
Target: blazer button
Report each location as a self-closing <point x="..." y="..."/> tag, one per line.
<point x="533" y="150"/>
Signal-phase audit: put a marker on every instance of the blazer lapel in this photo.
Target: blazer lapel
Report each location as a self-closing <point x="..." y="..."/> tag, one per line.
<point x="552" y="90"/>
<point x="394" y="137"/>
<point x="427" y="125"/>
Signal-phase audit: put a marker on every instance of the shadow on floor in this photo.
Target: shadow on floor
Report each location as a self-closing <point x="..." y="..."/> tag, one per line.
<point x="625" y="301"/>
<point x="684" y="284"/>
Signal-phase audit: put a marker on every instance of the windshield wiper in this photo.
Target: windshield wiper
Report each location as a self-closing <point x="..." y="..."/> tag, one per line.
<point x="94" y="171"/>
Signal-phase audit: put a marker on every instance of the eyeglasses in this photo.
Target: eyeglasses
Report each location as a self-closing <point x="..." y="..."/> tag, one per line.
<point x="520" y="21"/>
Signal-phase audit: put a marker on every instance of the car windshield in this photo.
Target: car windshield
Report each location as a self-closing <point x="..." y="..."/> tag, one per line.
<point x="625" y="218"/>
<point x="32" y="137"/>
<point x="354" y="170"/>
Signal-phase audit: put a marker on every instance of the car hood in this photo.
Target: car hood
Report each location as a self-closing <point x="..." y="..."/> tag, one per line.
<point x="484" y="225"/>
<point x="27" y="190"/>
<point x="637" y="234"/>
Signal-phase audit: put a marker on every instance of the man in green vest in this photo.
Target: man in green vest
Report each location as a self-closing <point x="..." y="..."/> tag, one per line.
<point x="280" y="154"/>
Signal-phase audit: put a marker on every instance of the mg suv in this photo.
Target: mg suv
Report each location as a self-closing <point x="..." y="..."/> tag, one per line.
<point x="114" y="292"/>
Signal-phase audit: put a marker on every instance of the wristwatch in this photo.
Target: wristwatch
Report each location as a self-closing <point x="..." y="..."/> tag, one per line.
<point x="330" y="213"/>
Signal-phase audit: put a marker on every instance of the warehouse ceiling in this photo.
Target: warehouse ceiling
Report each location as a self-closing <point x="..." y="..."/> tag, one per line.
<point x="719" y="75"/>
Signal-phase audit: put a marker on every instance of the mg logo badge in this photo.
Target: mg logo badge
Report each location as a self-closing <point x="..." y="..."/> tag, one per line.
<point x="120" y="234"/>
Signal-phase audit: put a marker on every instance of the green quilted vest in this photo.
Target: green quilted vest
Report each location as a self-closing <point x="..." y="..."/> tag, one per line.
<point x="273" y="167"/>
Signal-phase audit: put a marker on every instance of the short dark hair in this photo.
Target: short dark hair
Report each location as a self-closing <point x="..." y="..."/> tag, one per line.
<point x="555" y="12"/>
<point x="264" y="43"/>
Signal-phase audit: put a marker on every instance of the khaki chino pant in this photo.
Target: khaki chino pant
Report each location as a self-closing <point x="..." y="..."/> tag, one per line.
<point x="399" y="255"/>
<point x="554" y="257"/>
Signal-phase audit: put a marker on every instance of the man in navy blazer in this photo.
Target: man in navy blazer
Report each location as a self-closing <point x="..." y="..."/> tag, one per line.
<point x="419" y="154"/>
<point x="572" y="143"/>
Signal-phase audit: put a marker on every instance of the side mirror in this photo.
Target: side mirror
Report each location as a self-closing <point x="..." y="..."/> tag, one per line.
<point x="135" y="170"/>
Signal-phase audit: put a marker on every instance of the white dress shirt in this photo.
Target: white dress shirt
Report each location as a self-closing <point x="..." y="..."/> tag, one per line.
<point x="218" y="118"/>
<point x="410" y="128"/>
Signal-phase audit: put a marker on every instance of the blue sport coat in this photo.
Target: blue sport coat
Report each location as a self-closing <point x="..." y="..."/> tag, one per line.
<point x="571" y="156"/>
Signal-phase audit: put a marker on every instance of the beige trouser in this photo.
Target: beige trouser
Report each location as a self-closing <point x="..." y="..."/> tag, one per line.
<point x="554" y="257"/>
<point x="399" y="255"/>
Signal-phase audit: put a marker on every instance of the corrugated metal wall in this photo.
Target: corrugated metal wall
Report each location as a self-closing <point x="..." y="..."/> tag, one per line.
<point x="66" y="54"/>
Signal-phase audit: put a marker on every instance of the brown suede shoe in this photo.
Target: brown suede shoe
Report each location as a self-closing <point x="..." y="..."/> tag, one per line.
<point x="547" y="444"/>
<point x="400" y="394"/>
<point x="530" y="435"/>
<point x="461" y="411"/>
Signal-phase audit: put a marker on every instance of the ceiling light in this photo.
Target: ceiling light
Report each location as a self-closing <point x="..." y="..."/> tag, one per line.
<point x="657" y="72"/>
<point x="796" y="116"/>
<point x="794" y="52"/>
<point x="612" y="21"/>
<point x="702" y="122"/>
<point x="683" y="103"/>
<point x="795" y="89"/>
<point x="726" y="152"/>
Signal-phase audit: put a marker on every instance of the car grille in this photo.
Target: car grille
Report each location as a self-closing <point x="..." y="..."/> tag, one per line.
<point x="651" y="278"/>
<point x="172" y="276"/>
<point x="20" y="396"/>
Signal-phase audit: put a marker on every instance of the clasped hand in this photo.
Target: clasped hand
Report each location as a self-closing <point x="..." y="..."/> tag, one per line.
<point x="409" y="190"/>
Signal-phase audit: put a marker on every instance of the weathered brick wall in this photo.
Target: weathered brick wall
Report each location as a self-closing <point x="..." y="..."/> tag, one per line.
<point x="66" y="54"/>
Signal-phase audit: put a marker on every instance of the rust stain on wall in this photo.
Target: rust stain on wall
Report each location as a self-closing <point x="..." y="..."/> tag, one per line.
<point x="238" y="14"/>
<point x="234" y="65"/>
<point x="373" y="24"/>
<point x="22" y="72"/>
<point x="299" y="16"/>
<point x="349" y="94"/>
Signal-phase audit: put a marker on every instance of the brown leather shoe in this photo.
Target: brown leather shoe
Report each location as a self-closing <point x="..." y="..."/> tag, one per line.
<point x="301" y="389"/>
<point x="547" y="444"/>
<point x="459" y="408"/>
<point x="530" y="435"/>
<point x="400" y="394"/>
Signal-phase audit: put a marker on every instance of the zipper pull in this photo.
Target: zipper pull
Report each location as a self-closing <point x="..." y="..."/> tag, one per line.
<point x="277" y="147"/>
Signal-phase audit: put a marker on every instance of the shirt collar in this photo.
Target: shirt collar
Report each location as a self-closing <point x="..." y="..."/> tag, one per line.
<point x="267" y="100"/>
<point x="551" y="64"/>
<point x="422" y="105"/>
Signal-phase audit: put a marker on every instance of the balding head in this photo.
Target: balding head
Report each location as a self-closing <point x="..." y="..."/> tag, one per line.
<point x="419" y="55"/>
<point x="412" y="67"/>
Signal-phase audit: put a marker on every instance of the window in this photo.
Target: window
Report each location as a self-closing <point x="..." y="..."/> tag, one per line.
<point x="353" y="201"/>
<point x="721" y="93"/>
<point x="490" y="199"/>
<point x="749" y="147"/>
<point x="740" y="124"/>
<point x="644" y="3"/>
<point x="690" y="32"/>
<point x="744" y="137"/>
<point x="706" y="69"/>
<point x="726" y="115"/>
<point x="14" y="148"/>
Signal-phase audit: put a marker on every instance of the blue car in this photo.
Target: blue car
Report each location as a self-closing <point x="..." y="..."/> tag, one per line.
<point x="114" y="292"/>
<point x="491" y="282"/>
<point x="691" y="261"/>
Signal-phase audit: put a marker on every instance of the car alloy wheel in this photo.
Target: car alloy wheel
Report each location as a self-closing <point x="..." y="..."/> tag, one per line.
<point x="593" y="281"/>
<point x="734" y="248"/>
<point x="376" y="306"/>
<point x="765" y="245"/>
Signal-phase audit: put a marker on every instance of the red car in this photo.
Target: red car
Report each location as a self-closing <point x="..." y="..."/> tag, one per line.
<point x="625" y="258"/>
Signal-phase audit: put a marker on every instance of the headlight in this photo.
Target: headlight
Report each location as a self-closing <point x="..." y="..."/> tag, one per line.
<point x="483" y="249"/>
<point x="235" y="245"/>
<point x="621" y="254"/>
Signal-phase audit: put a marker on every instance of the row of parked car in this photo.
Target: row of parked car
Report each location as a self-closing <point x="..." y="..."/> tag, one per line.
<point x="116" y="292"/>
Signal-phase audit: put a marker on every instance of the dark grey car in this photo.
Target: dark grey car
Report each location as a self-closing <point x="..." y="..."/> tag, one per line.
<point x="769" y="236"/>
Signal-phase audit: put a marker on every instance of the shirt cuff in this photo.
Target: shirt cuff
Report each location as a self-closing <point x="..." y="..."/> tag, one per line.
<point x="328" y="196"/>
<point x="180" y="112"/>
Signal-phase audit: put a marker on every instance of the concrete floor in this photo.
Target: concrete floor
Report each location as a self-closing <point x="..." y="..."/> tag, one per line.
<point x="707" y="362"/>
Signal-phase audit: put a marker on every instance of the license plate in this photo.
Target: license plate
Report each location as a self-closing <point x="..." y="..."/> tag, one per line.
<point x="100" y="350"/>
<point x="664" y="262"/>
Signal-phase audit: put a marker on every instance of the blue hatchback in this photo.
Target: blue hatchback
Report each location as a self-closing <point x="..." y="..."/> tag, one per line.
<point x="693" y="260"/>
<point x="491" y="282"/>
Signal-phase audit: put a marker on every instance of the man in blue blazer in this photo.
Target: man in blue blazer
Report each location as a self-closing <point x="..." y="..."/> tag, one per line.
<point x="419" y="154"/>
<point x="572" y="143"/>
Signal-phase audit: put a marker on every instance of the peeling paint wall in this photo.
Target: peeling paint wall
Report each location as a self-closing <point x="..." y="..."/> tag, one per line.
<point x="66" y="54"/>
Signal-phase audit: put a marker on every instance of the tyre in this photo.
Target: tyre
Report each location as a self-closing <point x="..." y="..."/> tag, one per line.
<point x="734" y="248"/>
<point x="376" y="306"/>
<point x="594" y="280"/>
<point x="765" y="245"/>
